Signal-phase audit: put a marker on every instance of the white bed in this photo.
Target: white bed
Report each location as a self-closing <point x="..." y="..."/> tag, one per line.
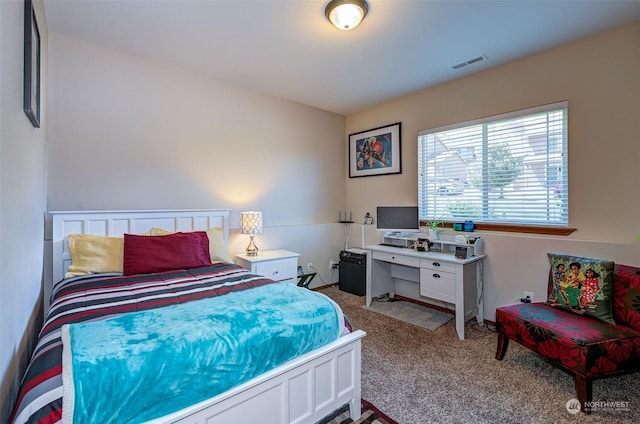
<point x="302" y="390"/>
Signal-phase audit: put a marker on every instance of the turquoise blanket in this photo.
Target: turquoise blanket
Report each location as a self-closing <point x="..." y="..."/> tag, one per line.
<point x="141" y="366"/>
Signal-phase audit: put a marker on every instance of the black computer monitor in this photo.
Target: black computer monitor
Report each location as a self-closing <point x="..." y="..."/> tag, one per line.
<point x="399" y="219"/>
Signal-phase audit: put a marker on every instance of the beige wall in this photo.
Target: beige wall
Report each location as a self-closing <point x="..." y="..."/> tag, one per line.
<point x="129" y="133"/>
<point x="599" y="76"/>
<point x="132" y="133"/>
<point x="22" y="203"/>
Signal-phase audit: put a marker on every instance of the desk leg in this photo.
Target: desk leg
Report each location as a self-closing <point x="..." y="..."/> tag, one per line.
<point x="460" y="305"/>
<point x="368" y="279"/>
<point x="379" y="280"/>
<point x="480" y="291"/>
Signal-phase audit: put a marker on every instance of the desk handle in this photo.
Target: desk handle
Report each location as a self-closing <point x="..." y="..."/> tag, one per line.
<point x="436" y="275"/>
<point x="436" y="264"/>
<point x="275" y="272"/>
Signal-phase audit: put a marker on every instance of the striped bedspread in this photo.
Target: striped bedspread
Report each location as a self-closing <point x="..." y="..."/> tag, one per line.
<point x="91" y="298"/>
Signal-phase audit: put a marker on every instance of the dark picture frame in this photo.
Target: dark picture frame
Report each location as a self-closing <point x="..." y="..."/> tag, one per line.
<point x="375" y="152"/>
<point x="31" y="97"/>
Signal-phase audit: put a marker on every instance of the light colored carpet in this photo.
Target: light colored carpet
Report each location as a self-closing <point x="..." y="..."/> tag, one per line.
<point x="412" y="313"/>
<point x="418" y="376"/>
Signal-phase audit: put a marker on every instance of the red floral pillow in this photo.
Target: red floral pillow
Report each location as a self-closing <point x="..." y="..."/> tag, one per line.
<point x="626" y="296"/>
<point x="582" y="285"/>
<point x="144" y="254"/>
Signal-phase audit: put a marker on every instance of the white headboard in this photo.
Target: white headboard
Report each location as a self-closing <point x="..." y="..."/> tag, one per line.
<point x="116" y="223"/>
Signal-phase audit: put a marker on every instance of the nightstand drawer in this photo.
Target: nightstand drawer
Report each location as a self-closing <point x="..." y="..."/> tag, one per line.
<point x="279" y="265"/>
<point x="278" y="270"/>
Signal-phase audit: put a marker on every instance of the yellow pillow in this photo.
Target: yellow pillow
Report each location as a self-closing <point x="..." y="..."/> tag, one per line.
<point x="91" y="254"/>
<point x="217" y="247"/>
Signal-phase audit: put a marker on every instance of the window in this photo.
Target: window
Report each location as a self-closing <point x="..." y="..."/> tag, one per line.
<point x="506" y="169"/>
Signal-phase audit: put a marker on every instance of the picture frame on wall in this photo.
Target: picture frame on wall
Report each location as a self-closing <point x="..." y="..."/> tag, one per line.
<point x="31" y="100"/>
<point x="375" y="152"/>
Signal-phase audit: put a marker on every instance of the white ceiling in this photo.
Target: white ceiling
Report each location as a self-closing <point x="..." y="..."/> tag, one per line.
<point x="288" y="49"/>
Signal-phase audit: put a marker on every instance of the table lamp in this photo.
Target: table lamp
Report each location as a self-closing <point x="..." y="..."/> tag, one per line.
<point x="251" y="223"/>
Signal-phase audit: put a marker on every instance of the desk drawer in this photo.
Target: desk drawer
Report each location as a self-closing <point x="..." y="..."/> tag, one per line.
<point x="437" y="265"/>
<point x="278" y="270"/>
<point x="395" y="258"/>
<point x="438" y="284"/>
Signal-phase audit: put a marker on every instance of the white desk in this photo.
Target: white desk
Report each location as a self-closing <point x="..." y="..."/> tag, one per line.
<point x="427" y="275"/>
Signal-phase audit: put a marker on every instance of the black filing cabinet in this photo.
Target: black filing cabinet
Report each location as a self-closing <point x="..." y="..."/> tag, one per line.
<point x="353" y="272"/>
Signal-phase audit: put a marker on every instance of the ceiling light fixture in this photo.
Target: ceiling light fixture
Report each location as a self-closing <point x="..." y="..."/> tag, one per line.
<point x="346" y="14"/>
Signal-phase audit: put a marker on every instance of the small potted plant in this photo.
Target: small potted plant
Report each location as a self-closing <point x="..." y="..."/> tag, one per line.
<point x="434" y="228"/>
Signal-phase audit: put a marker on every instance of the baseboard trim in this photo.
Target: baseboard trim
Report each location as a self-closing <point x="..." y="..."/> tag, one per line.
<point x="326" y="286"/>
<point x="428" y="305"/>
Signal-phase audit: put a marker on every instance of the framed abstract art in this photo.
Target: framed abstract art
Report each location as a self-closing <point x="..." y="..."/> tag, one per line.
<point x="375" y="152"/>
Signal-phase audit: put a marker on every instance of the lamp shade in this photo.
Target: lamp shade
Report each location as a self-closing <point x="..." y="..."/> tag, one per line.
<point x="251" y="223"/>
<point x="346" y="14"/>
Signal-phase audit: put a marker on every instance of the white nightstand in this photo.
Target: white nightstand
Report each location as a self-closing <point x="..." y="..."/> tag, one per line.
<point x="279" y="265"/>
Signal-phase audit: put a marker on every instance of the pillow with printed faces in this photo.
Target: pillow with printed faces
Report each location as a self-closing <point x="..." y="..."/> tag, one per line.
<point x="582" y="285"/>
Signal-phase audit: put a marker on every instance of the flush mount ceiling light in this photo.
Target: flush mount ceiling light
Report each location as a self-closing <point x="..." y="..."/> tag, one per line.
<point x="346" y="14"/>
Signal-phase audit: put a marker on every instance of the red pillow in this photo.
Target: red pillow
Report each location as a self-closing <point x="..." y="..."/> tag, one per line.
<point x="146" y="254"/>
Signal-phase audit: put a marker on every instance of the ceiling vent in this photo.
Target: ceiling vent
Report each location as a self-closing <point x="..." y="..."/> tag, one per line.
<point x="470" y="62"/>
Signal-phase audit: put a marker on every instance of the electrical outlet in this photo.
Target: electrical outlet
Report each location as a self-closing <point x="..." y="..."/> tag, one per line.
<point x="333" y="264"/>
<point x="529" y="295"/>
<point x="310" y="267"/>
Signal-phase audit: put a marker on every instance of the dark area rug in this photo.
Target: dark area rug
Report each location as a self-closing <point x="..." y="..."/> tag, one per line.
<point x="370" y="415"/>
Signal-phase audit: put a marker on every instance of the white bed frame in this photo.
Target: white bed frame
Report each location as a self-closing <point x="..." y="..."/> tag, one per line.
<point x="303" y="390"/>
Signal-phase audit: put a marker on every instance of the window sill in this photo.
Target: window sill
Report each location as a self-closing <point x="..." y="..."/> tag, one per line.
<point x="528" y="229"/>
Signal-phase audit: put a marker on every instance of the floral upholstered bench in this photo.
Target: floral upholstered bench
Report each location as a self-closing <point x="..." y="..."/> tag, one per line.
<point x="589" y="326"/>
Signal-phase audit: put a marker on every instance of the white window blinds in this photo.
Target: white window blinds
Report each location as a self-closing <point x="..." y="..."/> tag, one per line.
<point x="509" y="169"/>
